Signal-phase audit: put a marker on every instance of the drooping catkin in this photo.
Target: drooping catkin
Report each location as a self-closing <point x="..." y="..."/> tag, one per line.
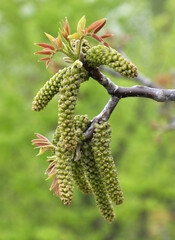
<point x="104" y="160"/>
<point x="102" y="55"/>
<point x="69" y="89"/>
<point x="48" y="91"/>
<point x="98" y="187"/>
<point x="79" y="176"/>
<point x="64" y="173"/>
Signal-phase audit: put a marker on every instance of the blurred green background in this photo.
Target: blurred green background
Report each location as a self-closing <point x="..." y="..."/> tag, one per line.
<point x="145" y="29"/>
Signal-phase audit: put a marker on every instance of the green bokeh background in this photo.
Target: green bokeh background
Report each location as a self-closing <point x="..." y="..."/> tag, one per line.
<point x="28" y="210"/>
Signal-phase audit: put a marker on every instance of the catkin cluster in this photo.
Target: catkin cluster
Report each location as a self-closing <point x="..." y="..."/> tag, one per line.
<point x="90" y="167"/>
<point x="102" y="55"/>
<point x="88" y="164"/>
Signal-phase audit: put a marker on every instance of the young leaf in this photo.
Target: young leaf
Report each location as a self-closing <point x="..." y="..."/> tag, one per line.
<point x="51" y="38"/>
<point x="81" y="24"/>
<point x="94" y="25"/>
<point x="45" y="45"/>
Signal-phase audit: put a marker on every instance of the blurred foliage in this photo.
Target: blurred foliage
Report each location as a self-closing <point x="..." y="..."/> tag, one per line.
<point x="146" y="169"/>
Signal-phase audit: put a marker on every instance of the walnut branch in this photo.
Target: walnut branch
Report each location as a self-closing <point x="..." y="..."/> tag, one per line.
<point x="157" y="94"/>
<point x="140" y="78"/>
<point x="103" y="116"/>
<point x="116" y="92"/>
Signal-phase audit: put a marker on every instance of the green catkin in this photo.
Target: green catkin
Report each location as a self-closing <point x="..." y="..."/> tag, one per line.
<point x="64" y="173"/>
<point x="66" y="146"/>
<point x="69" y="89"/>
<point x="80" y="179"/>
<point x="56" y="136"/>
<point x="81" y="124"/>
<point x="96" y="182"/>
<point x="48" y="91"/>
<point x="102" y="55"/>
<point x="104" y="160"/>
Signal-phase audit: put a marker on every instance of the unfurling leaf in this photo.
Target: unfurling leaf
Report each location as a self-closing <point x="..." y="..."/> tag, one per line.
<point x="106" y="35"/>
<point x="65" y="29"/>
<point x="43" y="143"/>
<point x="81" y="24"/>
<point x="43" y="59"/>
<point x="94" y="25"/>
<point x="44" y="52"/>
<point x="45" y="45"/>
<point x="97" y="38"/>
<point x="53" y="184"/>
<point x="59" y="42"/>
<point x="75" y="36"/>
<point x="100" y="26"/>
<point x="47" y="63"/>
<point x="66" y="26"/>
<point x="43" y="150"/>
<point x="51" y="38"/>
<point x="50" y="176"/>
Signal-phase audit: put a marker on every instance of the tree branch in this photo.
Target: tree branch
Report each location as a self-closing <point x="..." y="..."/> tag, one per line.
<point x="140" y="78"/>
<point x="157" y="94"/>
<point x="116" y="92"/>
<point x="103" y="116"/>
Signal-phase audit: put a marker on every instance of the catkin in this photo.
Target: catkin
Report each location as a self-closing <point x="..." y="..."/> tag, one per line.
<point x="79" y="176"/>
<point x="96" y="182"/>
<point x="104" y="160"/>
<point x="102" y="55"/>
<point x="64" y="173"/>
<point x="69" y="90"/>
<point x="48" y="91"/>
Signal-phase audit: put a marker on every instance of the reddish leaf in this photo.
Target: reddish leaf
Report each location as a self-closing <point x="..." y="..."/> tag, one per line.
<point x="94" y="25"/>
<point x="47" y="63"/>
<point x="53" y="184"/>
<point x="45" y="45"/>
<point x="66" y="26"/>
<point x="40" y="136"/>
<point x="106" y="44"/>
<point x="100" y="26"/>
<point x="106" y="35"/>
<point x="43" y="59"/>
<point x="43" y="52"/>
<point x="50" y="170"/>
<point x="56" y="190"/>
<point x="97" y="38"/>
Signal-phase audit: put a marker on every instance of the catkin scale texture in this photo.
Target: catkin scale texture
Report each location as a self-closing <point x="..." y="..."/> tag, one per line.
<point x="47" y="92"/>
<point x="64" y="173"/>
<point x="102" y="55"/>
<point x="79" y="176"/>
<point x="69" y="89"/>
<point x="105" y="162"/>
<point x="96" y="182"/>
